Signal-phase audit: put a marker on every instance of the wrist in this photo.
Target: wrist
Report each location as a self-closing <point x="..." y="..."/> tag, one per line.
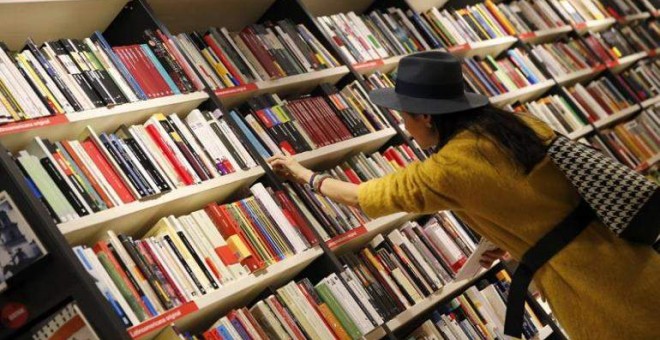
<point x="305" y="176"/>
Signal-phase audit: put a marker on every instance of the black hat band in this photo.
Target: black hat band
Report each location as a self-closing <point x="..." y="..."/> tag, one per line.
<point x="429" y="91"/>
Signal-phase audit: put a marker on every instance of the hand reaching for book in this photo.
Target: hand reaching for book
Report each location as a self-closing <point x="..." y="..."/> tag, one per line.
<point x="491" y="256"/>
<point x="285" y="166"/>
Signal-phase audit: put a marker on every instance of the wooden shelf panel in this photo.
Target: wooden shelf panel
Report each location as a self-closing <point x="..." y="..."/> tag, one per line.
<point x="492" y="47"/>
<point x="594" y="25"/>
<point x="206" y="309"/>
<point x="577" y="134"/>
<point x="623" y="114"/>
<point x="625" y="62"/>
<point x="522" y="95"/>
<point x="349" y="242"/>
<point x="330" y="155"/>
<point x="191" y="15"/>
<point x="543" y="36"/>
<point x="136" y="217"/>
<point x="382" y="65"/>
<point x="298" y="84"/>
<point x="101" y="119"/>
<point x="579" y="76"/>
<point x="21" y="19"/>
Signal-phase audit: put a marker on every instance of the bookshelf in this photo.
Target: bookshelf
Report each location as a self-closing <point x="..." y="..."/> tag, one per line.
<point x="579" y="76"/>
<point x="594" y="25"/>
<point x="616" y="117"/>
<point x="546" y="35"/>
<point x="522" y="95"/>
<point x="492" y="47"/>
<point x="627" y="61"/>
<point x="359" y="236"/>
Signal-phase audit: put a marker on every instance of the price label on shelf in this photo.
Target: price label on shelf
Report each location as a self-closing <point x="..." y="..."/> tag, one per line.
<point x="369" y="64"/>
<point x="232" y="91"/>
<point x="459" y="48"/>
<point x="527" y="35"/>
<point x="27" y="125"/>
<point x="162" y="320"/>
<point x="345" y="237"/>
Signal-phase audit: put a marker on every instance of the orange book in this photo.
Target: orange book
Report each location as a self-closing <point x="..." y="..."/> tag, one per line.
<point x="504" y="22"/>
<point x="332" y="321"/>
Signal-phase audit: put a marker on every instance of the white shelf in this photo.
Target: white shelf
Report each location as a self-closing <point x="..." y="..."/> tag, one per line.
<point x="492" y="47"/>
<point x="356" y="238"/>
<point x="297" y="84"/>
<point x="49" y="20"/>
<point x="544" y="36"/>
<point x="651" y="101"/>
<point x="208" y="308"/>
<point x="625" y="62"/>
<point x="578" y="77"/>
<point x="331" y="154"/>
<point x="15" y="136"/>
<point x="577" y="134"/>
<point x="136" y="217"/>
<point x="623" y="114"/>
<point x="635" y="17"/>
<point x="522" y="95"/>
<point x="594" y="25"/>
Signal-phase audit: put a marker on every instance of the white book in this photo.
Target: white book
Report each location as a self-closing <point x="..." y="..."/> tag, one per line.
<point x="362" y="27"/>
<point x="586" y="96"/>
<point x="158" y="158"/>
<point x="184" y="277"/>
<point x="231" y="41"/>
<point x="230" y="328"/>
<point x="292" y="234"/>
<point x="149" y="154"/>
<point x="358" y="289"/>
<point x="199" y="62"/>
<point x="218" y="242"/>
<point x="222" y="148"/>
<point x="101" y="275"/>
<point x="236" y="143"/>
<point x="409" y="25"/>
<point x="357" y="39"/>
<point x="300" y="57"/>
<point x="308" y="311"/>
<point x="31" y="104"/>
<point x="67" y="78"/>
<point x="484" y="308"/>
<point x="154" y="121"/>
<point x="48" y="82"/>
<point x="323" y="22"/>
<point x="134" y="270"/>
<point x="472" y="267"/>
<point x="171" y="268"/>
<point x="202" y="243"/>
<point x="444" y="329"/>
<point x="343" y="296"/>
<point x="202" y="131"/>
<point x="399" y="238"/>
<point x="139" y="168"/>
<point x="192" y="141"/>
<point x="211" y="281"/>
<point x="496" y="303"/>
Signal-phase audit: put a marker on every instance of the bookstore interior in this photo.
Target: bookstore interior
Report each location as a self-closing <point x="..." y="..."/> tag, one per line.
<point x="137" y="200"/>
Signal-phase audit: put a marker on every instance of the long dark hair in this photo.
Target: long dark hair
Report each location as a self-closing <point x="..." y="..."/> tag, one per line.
<point x="504" y="128"/>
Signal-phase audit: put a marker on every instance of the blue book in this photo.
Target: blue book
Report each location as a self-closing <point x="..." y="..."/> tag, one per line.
<point x="484" y="23"/>
<point x="240" y="329"/>
<point x="149" y="53"/>
<point x="435" y="43"/>
<point x="103" y="44"/>
<point x="250" y="136"/>
<point x="485" y="80"/>
<point x="522" y="66"/>
<point x="224" y="332"/>
<point x="122" y="149"/>
<point x="127" y="170"/>
<point x="252" y="215"/>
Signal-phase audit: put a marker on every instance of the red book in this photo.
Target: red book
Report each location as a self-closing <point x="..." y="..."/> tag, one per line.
<point x="297" y="218"/>
<point x="596" y="95"/>
<point x="279" y="310"/>
<point x="334" y="116"/>
<point x="270" y="248"/>
<point x="392" y="155"/>
<point x="151" y="70"/>
<point x="263" y="56"/>
<point x="340" y="132"/>
<point x="320" y="115"/>
<point x="592" y="115"/>
<point x="313" y="130"/>
<point x="107" y="171"/>
<point x="171" y="157"/>
<point x="212" y="334"/>
<point x="88" y="174"/>
<point x="223" y="58"/>
<point x="102" y="247"/>
<point x="180" y="59"/>
<point x="138" y="73"/>
<point x="171" y="287"/>
<point x="352" y="176"/>
<point x="234" y="237"/>
<point x="245" y="313"/>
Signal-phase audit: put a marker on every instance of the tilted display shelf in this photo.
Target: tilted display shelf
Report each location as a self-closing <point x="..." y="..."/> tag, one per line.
<point x="577" y="134"/>
<point x="522" y="95"/>
<point x="594" y="25"/>
<point x="623" y="114"/>
<point x="625" y="62"/>
<point x="492" y="47"/>
<point x="356" y="238"/>
<point x="579" y="76"/>
<point x="543" y="36"/>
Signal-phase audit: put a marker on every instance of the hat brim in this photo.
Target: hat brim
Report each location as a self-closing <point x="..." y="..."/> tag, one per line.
<point x="390" y="99"/>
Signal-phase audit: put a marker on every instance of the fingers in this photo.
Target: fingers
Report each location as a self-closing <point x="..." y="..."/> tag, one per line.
<point x="485" y="264"/>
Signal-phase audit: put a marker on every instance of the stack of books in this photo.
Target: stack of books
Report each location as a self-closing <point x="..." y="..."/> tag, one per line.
<point x="531" y="16"/>
<point x="621" y="8"/>
<point x="556" y="110"/>
<point x="644" y="79"/>
<point x="601" y="98"/>
<point x="338" y="307"/>
<point x="308" y="122"/>
<point x="72" y="75"/>
<point x="379" y="80"/>
<point x="577" y="12"/>
<point x="183" y="258"/>
<point x="377" y="35"/>
<point x="410" y="263"/>
<point x="257" y="53"/>
<point x="635" y="141"/>
<point x="492" y="77"/>
<point x="564" y="57"/>
<point x="483" y="21"/>
<point x="337" y="219"/>
<point x="478" y="313"/>
<point x="77" y="178"/>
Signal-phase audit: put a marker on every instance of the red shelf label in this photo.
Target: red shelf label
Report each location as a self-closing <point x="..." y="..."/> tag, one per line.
<point x="162" y="320"/>
<point x="30" y="124"/>
<point x="613" y="63"/>
<point x="652" y="53"/>
<point x="580" y="26"/>
<point x="599" y="68"/>
<point x="458" y="48"/>
<point x="368" y="64"/>
<point x="642" y="167"/>
<point x="345" y="237"/>
<point x="230" y="91"/>
<point x="527" y="35"/>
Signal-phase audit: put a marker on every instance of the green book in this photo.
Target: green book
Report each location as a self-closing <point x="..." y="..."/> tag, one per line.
<point x="121" y="285"/>
<point x="328" y="297"/>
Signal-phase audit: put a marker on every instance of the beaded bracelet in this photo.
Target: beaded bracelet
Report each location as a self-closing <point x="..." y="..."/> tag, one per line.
<point x="311" y="180"/>
<point x="316" y="184"/>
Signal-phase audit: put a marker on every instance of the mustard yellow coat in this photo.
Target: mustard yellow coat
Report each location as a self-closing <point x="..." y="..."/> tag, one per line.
<point x="599" y="286"/>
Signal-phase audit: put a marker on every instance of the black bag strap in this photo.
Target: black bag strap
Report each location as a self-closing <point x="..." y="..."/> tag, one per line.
<point x="536" y="256"/>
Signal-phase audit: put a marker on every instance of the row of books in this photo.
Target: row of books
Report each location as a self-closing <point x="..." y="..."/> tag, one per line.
<point x="556" y="110"/>
<point x="533" y="15"/>
<point x="75" y="178"/>
<point x="182" y="258"/>
<point x="69" y="322"/>
<point x="493" y="77"/>
<point x="651" y="5"/>
<point x="644" y="36"/>
<point x="379" y="80"/>
<point x="564" y="57"/>
<point x="644" y="79"/>
<point x="71" y="75"/>
<point x="580" y="11"/>
<point x="478" y="313"/>
<point x="622" y="8"/>
<point x="309" y="122"/>
<point x="258" y="52"/>
<point x="601" y="98"/>
<point x="336" y="218"/>
<point x="637" y="140"/>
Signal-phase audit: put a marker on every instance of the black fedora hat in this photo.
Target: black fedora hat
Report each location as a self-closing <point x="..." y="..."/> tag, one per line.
<point x="429" y="83"/>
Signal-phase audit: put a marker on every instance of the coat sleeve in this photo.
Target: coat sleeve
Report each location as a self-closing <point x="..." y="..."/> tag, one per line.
<point x="422" y="187"/>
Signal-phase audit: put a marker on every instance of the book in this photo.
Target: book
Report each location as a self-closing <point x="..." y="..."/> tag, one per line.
<point x="67" y="323"/>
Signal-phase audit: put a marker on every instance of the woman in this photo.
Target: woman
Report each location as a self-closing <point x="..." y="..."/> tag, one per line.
<point x="490" y="168"/>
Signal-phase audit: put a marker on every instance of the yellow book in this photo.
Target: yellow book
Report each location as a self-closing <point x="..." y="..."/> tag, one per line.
<point x="251" y="234"/>
<point x="7" y="104"/>
<point x="331" y="319"/>
<point x="501" y="18"/>
<point x="484" y="14"/>
<point x="27" y="67"/>
<point x="219" y="68"/>
<point x="474" y="20"/>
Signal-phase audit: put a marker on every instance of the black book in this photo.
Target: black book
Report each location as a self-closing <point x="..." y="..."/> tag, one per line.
<point x="279" y="54"/>
<point x="129" y="157"/>
<point x="206" y="172"/>
<point x="64" y="188"/>
<point x="87" y="72"/>
<point x="389" y="262"/>
<point x="131" y="278"/>
<point x="274" y="130"/>
<point x="231" y="53"/>
<point x="185" y="265"/>
<point x="121" y="162"/>
<point x="218" y="131"/>
<point x="170" y="65"/>
<point x="66" y="91"/>
<point x="414" y="274"/>
<point x="422" y="237"/>
<point x="390" y="308"/>
<point x="289" y="28"/>
<point x="318" y="213"/>
<point x="288" y="127"/>
<point x="187" y="153"/>
<point x="146" y="271"/>
<point x="71" y="67"/>
<point x="128" y="138"/>
<point x="197" y="259"/>
<point x="100" y="73"/>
